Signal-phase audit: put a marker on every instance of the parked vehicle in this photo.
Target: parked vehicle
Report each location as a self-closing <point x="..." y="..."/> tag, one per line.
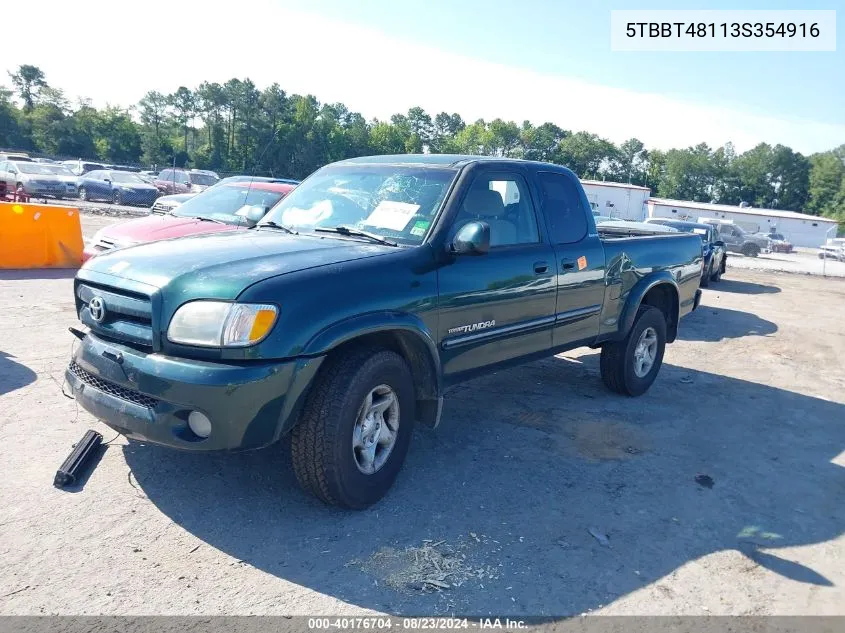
<point x="18" y="157"/>
<point x="777" y="242"/>
<point x="834" y="248"/>
<point x="206" y="172"/>
<point x="119" y="187"/>
<point x="737" y="240"/>
<point x="615" y="226"/>
<point x="46" y="161"/>
<point x="166" y="204"/>
<point x="345" y="313"/>
<point x="229" y="179"/>
<point x="28" y="178"/>
<point x="66" y="176"/>
<point x="81" y="167"/>
<point x="233" y="206"/>
<point x="183" y="181"/>
<point x="715" y="250"/>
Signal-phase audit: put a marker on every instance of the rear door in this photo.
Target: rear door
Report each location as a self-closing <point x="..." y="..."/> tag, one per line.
<point x="94" y="184"/>
<point x="579" y="263"/>
<point x="498" y="306"/>
<point x="165" y="178"/>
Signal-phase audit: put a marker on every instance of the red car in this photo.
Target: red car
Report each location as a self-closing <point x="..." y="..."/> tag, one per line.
<point x="221" y="208"/>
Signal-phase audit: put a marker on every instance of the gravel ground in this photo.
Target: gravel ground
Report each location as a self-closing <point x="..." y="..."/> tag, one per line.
<point x="540" y="494"/>
<point x="805" y="261"/>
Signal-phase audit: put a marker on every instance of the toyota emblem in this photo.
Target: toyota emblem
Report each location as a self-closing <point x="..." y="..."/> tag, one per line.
<point x="97" y="308"/>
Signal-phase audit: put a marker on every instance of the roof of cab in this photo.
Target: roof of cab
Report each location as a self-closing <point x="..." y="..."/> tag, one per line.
<point x="446" y="160"/>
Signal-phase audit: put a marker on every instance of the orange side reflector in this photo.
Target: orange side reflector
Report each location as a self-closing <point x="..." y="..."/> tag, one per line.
<point x="39" y="236"/>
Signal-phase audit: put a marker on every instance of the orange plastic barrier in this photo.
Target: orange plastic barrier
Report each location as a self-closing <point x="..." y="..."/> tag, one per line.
<point x="39" y="236"/>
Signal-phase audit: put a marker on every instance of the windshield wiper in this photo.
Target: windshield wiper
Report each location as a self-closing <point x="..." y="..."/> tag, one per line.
<point x="342" y="229"/>
<point x="275" y="225"/>
<point x="204" y="219"/>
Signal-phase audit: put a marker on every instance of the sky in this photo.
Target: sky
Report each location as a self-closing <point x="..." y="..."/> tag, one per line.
<point x="540" y="60"/>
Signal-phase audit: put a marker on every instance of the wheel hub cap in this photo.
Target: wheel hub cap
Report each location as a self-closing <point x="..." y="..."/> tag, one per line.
<point x="376" y="428"/>
<point x="645" y="352"/>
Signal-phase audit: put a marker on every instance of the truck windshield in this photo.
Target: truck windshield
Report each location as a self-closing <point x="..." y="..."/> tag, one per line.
<point x="223" y="203"/>
<point x="395" y="201"/>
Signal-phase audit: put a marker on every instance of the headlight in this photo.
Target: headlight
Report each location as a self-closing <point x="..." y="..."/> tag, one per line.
<point x="220" y="324"/>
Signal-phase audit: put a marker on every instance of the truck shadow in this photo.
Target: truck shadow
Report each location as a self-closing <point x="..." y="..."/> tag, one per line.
<point x="744" y="287"/>
<point x="713" y="324"/>
<point x="519" y="493"/>
<point x="13" y="375"/>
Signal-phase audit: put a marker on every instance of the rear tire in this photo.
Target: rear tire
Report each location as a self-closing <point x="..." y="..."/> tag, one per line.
<point x="328" y="457"/>
<point x="619" y="360"/>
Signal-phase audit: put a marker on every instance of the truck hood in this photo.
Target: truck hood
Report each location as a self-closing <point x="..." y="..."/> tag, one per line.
<point x="160" y="227"/>
<point x="221" y="265"/>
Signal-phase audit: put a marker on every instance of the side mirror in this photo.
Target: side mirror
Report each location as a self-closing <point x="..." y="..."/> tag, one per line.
<point x="252" y="214"/>
<point x="719" y="243"/>
<point x="107" y="180"/>
<point x="472" y="239"/>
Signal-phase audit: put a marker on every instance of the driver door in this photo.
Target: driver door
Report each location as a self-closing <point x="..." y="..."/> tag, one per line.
<point x="498" y="306"/>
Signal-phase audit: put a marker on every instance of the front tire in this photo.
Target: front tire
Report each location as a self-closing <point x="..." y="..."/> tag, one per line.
<point x="716" y="276"/>
<point x="708" y="274"/>
<point x="355" y="428"/>
<point x="752" y="250"/>
<point x="116" y="197"/>
<point x="83" y="194"/>
<point x="630" y="366"/>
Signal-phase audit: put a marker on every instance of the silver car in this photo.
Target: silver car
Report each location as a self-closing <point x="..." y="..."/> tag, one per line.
<point x="37" y="179"/>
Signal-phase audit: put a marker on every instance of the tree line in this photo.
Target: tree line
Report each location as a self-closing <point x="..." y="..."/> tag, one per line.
<point x="237" y="127"/>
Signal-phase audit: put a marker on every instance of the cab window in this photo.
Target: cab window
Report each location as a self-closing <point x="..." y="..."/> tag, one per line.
<point x="561" y="201"/>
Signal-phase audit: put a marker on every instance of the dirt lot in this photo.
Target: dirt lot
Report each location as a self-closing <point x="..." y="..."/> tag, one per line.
<point x="540" y="494"/>
<point x="804" y="261"/>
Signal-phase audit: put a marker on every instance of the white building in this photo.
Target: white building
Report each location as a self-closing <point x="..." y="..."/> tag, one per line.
<point x="799" y="228"/>
<point x="616" y="199"/>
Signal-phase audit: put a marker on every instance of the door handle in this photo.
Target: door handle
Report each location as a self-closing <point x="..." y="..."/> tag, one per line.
<point x="567" y="265"/>
<point x="541" y="267"/>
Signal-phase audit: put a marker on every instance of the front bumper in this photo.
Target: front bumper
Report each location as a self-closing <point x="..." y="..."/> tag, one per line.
<point x="54" y="191"/>
<point x="139" y="198"/>
<point x="148" y="396"/>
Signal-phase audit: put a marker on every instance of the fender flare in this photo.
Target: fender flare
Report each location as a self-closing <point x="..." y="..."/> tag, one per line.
<point x="635" y="299"/>
<point x="415" y="341"/>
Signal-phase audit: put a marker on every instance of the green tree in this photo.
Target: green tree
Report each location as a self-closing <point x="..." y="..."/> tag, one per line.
<point x="29" y="81"/>
<point x="541" y="142"/>
<point x="629" y="163"/>
<point x="688" y="174"/>
<point x="588" y="155"/>
<point x="184" y="107"/>
<point x="826" y="182"/>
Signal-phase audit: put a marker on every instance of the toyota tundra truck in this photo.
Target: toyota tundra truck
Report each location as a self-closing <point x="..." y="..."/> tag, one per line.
<point x="347" y="311"/>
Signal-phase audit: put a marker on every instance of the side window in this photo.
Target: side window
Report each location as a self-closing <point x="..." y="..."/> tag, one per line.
<point x="165" y="174"/>
<point x="94" y="175"/>
<point x="561" y="202"/>
<point x="502" y="201"/>
<point x="183" y="178"/>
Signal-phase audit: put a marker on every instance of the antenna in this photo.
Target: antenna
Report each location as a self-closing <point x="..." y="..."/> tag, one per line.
<point x="255" y="166"/>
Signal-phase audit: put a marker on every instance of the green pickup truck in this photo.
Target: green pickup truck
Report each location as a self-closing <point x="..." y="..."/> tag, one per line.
<point x="345" y="313"/>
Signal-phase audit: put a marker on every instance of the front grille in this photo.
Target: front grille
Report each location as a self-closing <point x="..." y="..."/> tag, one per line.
<point x="127" y="315"/>
<point x="163" y="207"/>
<point x="130" y="395"/>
